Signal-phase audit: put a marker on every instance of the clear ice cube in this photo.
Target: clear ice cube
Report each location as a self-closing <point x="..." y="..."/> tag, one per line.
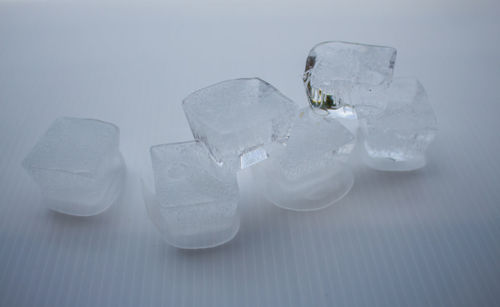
<point x="196" y="199"/>
<point x="78" y="166"/>
<point x="236" y="118"/>
<point x="335" y="69"/>
<point x="308" y="172"/>
<point x="398" y="124"/>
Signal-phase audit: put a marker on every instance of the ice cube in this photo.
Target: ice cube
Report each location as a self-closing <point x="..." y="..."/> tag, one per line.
<point x="334" y="69"/>
<point x="398" y="124"/>
<point x="196" y="199"/>
<point x="78" y="166"/>
<point x="235" y="118"/>
<point x="308" y="172"/>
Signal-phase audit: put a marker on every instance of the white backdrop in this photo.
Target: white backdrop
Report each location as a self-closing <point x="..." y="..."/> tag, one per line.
<point x="428" y="237"/>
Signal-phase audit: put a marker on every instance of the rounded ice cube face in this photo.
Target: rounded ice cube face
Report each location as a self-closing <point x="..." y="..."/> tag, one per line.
<point x="235" y="118"/>
<point x="78" y="166"/>
<point x="196" y="199"/>
<point x="334" y="69"/>
<point x="398" y="128"/>
<point x="308" y="173"/>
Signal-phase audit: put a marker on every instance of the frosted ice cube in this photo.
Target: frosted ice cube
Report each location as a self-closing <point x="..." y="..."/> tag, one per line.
<point x="195" y="205"/>
<point x="398" y="124"/>
<point x="315" y="142"/>
<point x="334" y="69"/>
<point x="308" y="172"/>
<point x="235" y="118"/>
<point x="78" y="166"/>
<point x="185" y="174"/>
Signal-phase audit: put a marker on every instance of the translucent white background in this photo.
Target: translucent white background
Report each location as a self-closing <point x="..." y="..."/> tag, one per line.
<point x="429" y="237"/>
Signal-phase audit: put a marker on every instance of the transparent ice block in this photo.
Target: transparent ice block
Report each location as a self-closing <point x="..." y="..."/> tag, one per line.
<point x="335" y="69"/>
<point x="309" y="171"/>
<point x="78" y="166"/>
<point x="236" y="118"/>
<point x="398" y="124"/>
<point x="195" y="204"/>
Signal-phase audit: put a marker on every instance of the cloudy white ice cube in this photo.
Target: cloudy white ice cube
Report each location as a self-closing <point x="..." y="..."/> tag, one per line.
<point x="398" y="124"/>
<point x="195" y="204"/>
<point x="78" y="166"/>
<point x="309" y="171"/>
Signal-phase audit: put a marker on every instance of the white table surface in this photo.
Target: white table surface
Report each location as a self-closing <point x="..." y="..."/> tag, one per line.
<point x="424" y="238"/>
